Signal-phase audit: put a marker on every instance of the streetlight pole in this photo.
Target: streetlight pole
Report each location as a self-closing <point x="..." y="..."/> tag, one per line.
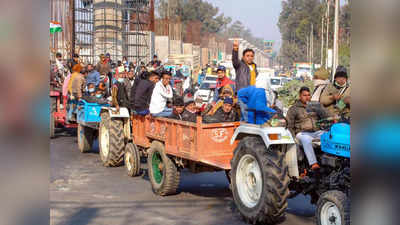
<point x="327" y="33"/>
<point x="335" y="39"/>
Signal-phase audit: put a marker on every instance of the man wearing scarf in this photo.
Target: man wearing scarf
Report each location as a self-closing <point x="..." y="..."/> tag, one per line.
<point x="336" y="97"/>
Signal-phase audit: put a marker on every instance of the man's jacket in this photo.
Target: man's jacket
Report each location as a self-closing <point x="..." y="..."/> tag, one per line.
<point x="330" y="104"/>
<point x="300" y="119"/>
<point x="143" y="93"/>
<point x="189" y="116"/>
<point x="78" y="86"/>
<point x="93" y="77"/>
<point x="221" y="116"/>
<point x="119" y="95"/>
<point x="103" y="68"/>
<point x="242" y="71"/>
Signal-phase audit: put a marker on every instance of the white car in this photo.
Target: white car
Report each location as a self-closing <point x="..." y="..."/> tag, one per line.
<point x="211" y="78"/>
<point x="276" y="83"/>
<point x="206" y="91"/>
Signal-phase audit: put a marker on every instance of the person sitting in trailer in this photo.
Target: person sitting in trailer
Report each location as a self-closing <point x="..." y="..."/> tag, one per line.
<point x="226" y="113"/>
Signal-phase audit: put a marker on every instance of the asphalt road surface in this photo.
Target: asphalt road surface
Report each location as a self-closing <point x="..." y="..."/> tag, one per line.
<point x="83" y="192"/>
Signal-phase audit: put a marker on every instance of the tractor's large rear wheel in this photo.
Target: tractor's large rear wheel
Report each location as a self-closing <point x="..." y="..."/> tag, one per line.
<point x="259" y="181"/>
<point x="163" y="173"/>
<point x="111" y="140"/>
<point x="333" y="208"/>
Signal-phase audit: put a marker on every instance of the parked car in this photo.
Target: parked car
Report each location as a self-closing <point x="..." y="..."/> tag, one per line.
<point x="210" y="78"/>
<point x="276" y="83"/>
<point x="206" y="91"/>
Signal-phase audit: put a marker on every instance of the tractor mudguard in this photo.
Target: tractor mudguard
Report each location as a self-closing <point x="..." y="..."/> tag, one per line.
<point x="284" y="135"/>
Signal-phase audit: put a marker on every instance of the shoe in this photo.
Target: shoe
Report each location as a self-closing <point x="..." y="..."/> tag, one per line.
<point x="315" y="166"/>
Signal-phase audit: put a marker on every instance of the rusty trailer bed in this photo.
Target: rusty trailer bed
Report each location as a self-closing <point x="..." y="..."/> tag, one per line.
<point x="204" y="143"/>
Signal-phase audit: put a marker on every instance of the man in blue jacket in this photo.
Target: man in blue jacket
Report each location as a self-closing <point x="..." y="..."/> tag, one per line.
<point x="93" y="76"/>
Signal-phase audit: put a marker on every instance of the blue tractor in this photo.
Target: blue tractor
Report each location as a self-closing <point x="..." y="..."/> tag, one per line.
<point x="88" y="117"/>
<point x="266" y="168"/>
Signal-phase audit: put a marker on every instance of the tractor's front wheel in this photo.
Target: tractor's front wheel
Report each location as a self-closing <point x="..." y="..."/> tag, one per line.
<point x="333" y="208"/>
<point x="259" y="181"/>
<point x="132" y="160"/>
<point x="85" y="138"/>
<point x="163" y="173"/>
<point x="111" y="140"/>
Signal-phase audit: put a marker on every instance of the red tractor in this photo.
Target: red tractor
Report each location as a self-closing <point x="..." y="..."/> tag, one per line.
<point x="58" y="112"/>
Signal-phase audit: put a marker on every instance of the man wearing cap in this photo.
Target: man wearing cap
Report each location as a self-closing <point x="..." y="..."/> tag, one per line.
<point x="223" y="82"/>
<point x="321" y="81"/>
<point x="336" y="97"/>
<point x="223" y="114"/>
<point x="190" y="112"/>
<point x="103" y="67"/>
<point x="178" y="107"/>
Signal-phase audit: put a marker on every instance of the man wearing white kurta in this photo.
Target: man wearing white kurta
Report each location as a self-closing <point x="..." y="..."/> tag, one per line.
<point x="161" y="93"/>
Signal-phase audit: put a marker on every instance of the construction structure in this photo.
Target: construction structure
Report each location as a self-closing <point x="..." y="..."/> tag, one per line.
<point x="94" y="27"/>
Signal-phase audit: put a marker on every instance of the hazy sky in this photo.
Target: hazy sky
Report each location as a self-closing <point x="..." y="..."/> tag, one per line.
<point x="261" y="16"/>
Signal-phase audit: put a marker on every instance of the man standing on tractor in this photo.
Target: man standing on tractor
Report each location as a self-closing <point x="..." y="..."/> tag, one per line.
<point x="302" y="122"/>
<point x="76" y="87"/>
<point x="246" y="71"/>
<point x="336" y="97"/>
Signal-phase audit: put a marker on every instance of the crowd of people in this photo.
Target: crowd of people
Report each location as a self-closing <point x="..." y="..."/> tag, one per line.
<point x="150" y="93"/>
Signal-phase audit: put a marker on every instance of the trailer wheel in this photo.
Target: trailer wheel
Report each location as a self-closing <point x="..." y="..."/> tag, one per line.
<point x="85" y="138"/>
<point x="333" y="207"/>
<point x="111" y="140"/>
<point x="259" y="181"/>
<point x="132" y="160"/>
<point x="163" y="173"/>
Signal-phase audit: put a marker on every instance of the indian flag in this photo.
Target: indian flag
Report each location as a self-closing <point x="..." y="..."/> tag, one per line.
<point x="55" y="27"/>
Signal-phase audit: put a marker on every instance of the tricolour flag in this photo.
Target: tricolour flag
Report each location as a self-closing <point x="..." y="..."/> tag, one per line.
<point x="55" y="27"/>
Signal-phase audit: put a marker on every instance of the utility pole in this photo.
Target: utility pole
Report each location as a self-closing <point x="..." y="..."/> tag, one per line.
<point x="322" y="40"/>
<point x="312" y="44"/>
<point x="335" y="39"/>
<point x="327" y="33"/>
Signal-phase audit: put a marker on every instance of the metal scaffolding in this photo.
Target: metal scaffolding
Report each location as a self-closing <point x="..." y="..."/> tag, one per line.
<point x="117" y="27"/>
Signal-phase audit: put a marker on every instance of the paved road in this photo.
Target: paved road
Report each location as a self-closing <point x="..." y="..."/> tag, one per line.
<point x="84" y="192"/>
